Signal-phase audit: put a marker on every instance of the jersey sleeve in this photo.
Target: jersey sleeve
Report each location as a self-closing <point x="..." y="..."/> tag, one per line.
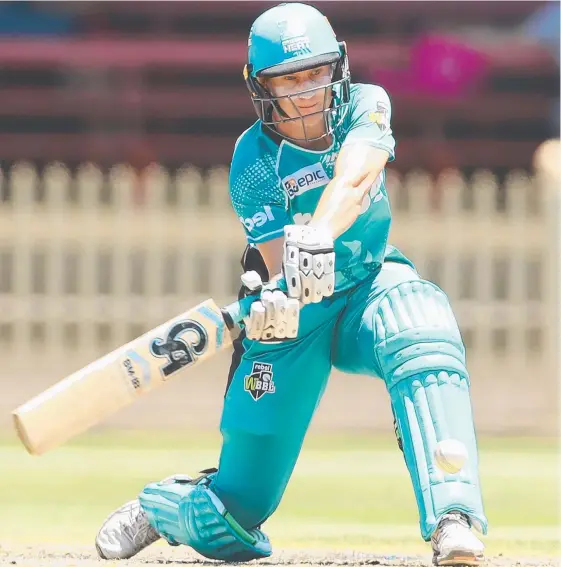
<point x="370" y="120"/>
<point x="257" y="197"/>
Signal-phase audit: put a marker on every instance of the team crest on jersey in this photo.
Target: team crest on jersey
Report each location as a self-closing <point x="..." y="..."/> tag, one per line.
<point x="380" y="116"/>
<point x="260" y="381"/>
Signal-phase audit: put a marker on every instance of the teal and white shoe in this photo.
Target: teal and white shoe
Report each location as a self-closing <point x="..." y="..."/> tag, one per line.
<point x="453" y="542"/>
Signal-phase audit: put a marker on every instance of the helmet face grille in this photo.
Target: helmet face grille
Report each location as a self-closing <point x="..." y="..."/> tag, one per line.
<point x="333" y="113"/>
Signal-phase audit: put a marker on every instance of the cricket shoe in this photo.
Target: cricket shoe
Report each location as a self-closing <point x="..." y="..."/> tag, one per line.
<point x="125" y="532"/>
<point x="453" y="542"/>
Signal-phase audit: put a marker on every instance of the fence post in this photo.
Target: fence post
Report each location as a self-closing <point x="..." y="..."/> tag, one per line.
<point x="91" y="214"/>
<point x="56" y="180"/>
<point x="218" y="187"/>
<point x="122" y="180"/>
<point x="155" y="215"/>
<point x="188" y="181"/>
<point x="23" y="183"/>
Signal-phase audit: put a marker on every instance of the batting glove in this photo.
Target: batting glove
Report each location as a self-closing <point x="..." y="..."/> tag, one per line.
<point x="308" y="263"/>
<point x="274" y="316"/>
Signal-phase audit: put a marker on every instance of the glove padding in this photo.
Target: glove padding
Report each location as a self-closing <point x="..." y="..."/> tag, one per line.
<point x="308" y="263"/>
<point x="272" y="317"/>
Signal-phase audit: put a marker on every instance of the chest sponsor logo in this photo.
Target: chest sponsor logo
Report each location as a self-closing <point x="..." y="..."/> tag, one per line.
<point x="258" y="219"/>
<point x="305" y="179"/>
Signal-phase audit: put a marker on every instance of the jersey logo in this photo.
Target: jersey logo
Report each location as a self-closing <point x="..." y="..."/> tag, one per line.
<point x="260" y="381"/>
<point x="258" y="219"/>
<point x="304" y="179"/>
<point x="180" y="352"/>
<point x="293" y="37"/>
<point x="380" y="116"/>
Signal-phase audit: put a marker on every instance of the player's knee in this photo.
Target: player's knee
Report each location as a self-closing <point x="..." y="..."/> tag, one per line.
<point x="416" y="331"/>
<point x="250" y="509"/>
<point x="251" y="499"/>
<point x="254" y="469"/>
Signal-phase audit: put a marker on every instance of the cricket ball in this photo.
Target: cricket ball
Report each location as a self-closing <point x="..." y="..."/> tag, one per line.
<point x="450" y="455"/>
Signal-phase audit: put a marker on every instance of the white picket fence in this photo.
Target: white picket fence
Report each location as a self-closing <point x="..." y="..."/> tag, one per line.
<point x="89" y="260"/>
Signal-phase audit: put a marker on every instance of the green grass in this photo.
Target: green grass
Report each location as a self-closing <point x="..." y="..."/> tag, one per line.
<point x="348" y="492"/>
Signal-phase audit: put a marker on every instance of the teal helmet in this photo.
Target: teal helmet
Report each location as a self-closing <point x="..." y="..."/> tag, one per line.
<point x="290" y="38"/>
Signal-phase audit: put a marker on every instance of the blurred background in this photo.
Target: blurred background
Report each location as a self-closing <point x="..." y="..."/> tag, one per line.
<point x="117" y="125"/>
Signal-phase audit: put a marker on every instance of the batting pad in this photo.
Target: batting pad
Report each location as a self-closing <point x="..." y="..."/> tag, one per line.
<point x="422" y="357"/>
<point x="191" y="514"/>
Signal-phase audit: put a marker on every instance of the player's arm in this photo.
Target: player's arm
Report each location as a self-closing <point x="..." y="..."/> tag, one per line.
<point x="356" y="170"/>
<point x="368" y="146"/>
<point x="262" y="209"/>
<point x="309" y="259"/>
<point x="271" y="252"/>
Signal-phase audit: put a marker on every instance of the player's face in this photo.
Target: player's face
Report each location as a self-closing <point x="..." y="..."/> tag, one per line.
<point x="304" y="92"/>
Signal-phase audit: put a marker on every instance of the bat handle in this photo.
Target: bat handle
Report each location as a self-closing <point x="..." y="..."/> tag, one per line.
<point x="238" y="310"/>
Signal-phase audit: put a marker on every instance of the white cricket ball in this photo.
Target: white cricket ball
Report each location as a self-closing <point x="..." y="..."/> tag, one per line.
<point x="450" y="455"/>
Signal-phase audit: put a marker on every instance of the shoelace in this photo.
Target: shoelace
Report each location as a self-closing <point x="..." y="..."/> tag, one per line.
<point x="134" y="529"/>
<point x="456" y="518"/>
<point x="453" y="519"/>
<point x="144" y="534"/>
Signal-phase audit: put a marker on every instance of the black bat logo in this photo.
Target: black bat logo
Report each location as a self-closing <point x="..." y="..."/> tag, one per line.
<point x="179" y="352"/>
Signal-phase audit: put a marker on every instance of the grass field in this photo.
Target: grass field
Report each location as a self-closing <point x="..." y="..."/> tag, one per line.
<point x="348" y="492"/>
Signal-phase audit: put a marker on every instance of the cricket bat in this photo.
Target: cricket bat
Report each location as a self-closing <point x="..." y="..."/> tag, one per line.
<point x="116" y="380"/>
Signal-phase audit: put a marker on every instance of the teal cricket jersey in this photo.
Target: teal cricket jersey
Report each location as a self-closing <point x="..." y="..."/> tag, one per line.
<point x="274" y="182"/>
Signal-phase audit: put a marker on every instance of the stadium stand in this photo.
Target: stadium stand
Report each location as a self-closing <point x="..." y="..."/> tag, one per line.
<point x="146" y="81"/>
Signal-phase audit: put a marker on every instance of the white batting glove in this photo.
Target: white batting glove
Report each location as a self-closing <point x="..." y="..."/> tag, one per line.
<point x="274" y="316"/>
<point x="308" y="263"/>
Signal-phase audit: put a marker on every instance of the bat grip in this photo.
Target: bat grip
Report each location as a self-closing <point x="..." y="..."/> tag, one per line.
<point x="234" y="313"/>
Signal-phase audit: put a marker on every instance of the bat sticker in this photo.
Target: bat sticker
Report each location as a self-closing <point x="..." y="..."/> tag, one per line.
<point x="185" y="341"/>
<point x="137" y="370"/>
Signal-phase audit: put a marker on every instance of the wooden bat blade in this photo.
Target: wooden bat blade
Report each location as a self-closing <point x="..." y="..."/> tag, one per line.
<point x="98" y="390"/>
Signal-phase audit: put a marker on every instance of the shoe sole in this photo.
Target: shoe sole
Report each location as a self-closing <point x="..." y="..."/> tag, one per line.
<point x="466" y="560"/>
<point x="99" y="551"/>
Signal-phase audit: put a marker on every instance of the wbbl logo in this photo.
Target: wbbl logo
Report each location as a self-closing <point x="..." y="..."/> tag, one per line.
<point x="179" y="352"/>
<point x="260" y="381"/>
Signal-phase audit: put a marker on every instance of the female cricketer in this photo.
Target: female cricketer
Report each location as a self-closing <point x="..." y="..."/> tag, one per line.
<point x="307" y="181"/>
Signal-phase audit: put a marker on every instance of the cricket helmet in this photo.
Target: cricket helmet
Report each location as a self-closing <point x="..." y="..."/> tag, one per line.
<point x="290" y="38"/>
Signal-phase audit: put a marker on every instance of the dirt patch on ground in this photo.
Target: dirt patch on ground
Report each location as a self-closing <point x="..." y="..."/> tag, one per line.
<point x="42" y="556"/>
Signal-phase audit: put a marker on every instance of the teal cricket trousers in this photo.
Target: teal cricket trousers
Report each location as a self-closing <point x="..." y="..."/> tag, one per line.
<point x="275" y="389"/>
